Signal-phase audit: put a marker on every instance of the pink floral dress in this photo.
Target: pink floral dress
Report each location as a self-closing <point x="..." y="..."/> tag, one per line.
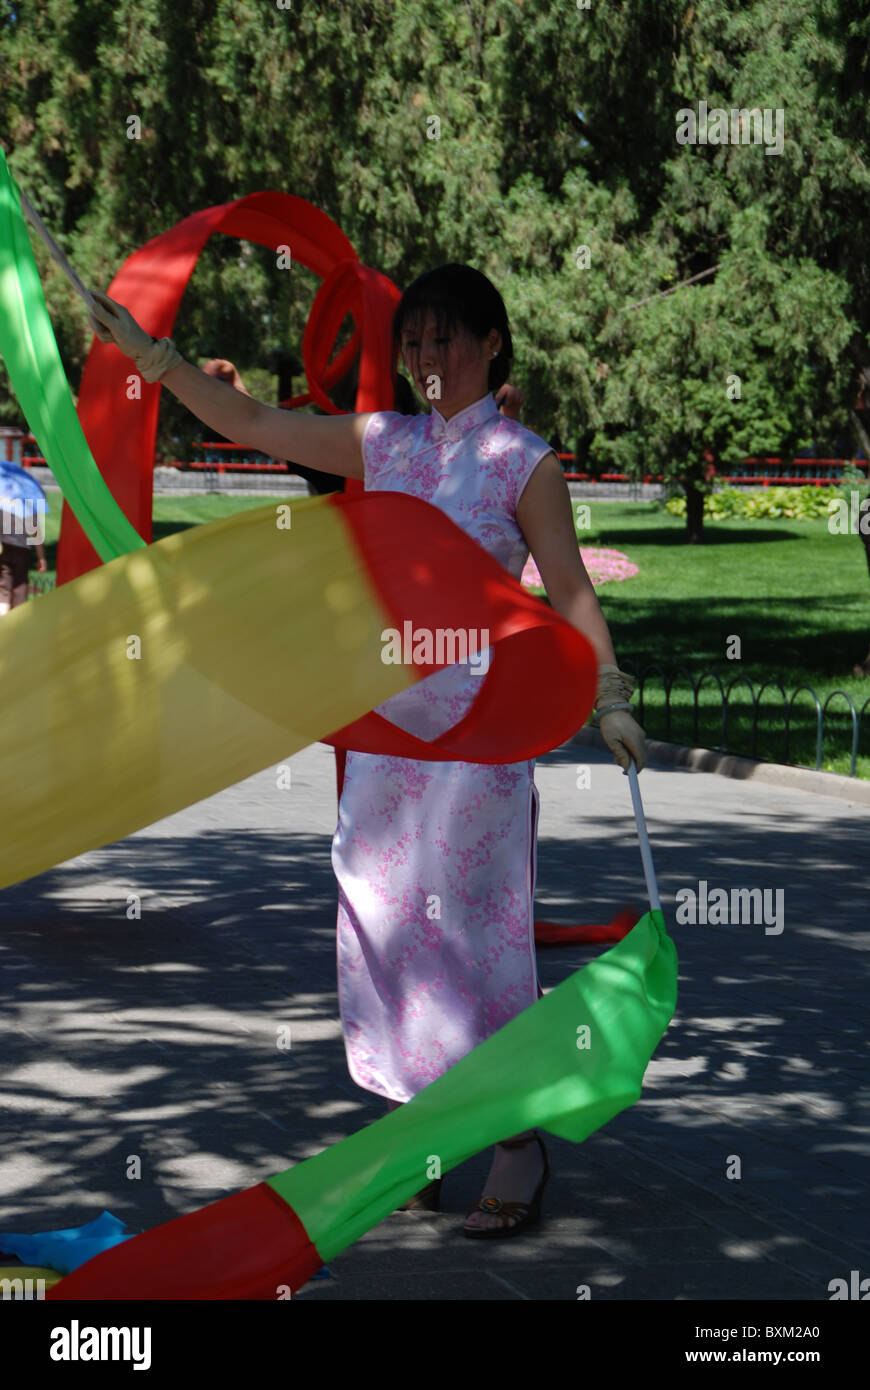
<point x="436" y="861"/>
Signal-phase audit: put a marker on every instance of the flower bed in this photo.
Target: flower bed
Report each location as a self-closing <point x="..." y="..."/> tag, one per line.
<point x="602" y="566"/>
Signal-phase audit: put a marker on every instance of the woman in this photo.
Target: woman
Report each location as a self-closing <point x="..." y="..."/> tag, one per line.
<point x="435" y="861"/>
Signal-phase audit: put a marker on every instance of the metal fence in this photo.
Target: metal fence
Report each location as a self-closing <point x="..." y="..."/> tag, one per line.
<point x="857" y="716"/>
<point x="39" y="584"/>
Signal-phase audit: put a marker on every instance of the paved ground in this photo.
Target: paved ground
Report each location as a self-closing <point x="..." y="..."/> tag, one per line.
<point x="155" y="1037"/>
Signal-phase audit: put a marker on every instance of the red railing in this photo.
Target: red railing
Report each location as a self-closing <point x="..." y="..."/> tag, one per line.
<point x="248" y="462"/>
<point x="756" y="472"/>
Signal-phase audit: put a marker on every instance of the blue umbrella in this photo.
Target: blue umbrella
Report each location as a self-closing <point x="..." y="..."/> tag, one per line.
<point x="18" y="490"/>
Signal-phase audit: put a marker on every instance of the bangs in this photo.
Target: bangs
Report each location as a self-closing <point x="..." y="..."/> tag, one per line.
<point x="445" y="312"/>
<point x="462" y="302"/>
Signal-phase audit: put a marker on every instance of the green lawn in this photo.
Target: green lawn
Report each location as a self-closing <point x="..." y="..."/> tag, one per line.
<point x="170" y="514"/>
<point x="796" y="596"/>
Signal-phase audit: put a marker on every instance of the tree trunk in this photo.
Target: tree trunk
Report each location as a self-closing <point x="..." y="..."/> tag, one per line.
<point x="860" y="432"/>
<point x="694" y="514"/>
<point x="863" y="668"/>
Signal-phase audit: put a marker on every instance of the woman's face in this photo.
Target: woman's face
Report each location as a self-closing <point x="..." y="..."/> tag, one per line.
<point x="450" y="367"/>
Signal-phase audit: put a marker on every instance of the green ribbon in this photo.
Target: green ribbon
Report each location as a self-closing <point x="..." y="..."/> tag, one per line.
<point x="29" y="350"/>
<point x="566" y="1065"/>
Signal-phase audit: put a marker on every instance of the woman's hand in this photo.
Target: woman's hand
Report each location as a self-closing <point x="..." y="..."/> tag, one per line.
<point x="112" y="323"/>
<point x="223" y="370"/>
<point x="509" y="400"/>
<point x="622" y="734"/>
<point x="624" y="737"/>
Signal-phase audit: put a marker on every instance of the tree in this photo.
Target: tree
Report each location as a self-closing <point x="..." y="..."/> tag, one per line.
<point x="748" y="363"/>
<point x="417" y="128"/>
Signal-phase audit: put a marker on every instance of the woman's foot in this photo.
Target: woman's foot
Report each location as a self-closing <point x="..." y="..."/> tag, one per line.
<point x="516" y="1175"/>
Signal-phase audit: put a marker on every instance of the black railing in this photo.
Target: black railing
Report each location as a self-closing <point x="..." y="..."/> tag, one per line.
<point x="857" y="716"/>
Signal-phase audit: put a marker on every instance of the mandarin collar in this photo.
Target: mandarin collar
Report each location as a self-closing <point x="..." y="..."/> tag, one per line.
<point x="464" y="420"/>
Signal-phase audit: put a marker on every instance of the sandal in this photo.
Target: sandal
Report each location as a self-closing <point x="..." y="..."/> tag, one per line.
<point x="427" y="1199"/>
<point x="527" y="1213"/>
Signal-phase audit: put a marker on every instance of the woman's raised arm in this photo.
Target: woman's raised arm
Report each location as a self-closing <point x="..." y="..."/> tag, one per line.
<point x="326" y="443"/>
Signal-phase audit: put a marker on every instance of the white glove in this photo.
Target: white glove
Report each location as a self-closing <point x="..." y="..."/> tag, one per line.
<point x="622" y="734"/>
<point x="112" y="323"/>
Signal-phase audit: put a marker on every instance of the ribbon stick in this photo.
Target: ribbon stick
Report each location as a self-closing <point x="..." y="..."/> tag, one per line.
<point x="54" y="250"/>
<point x="31" y="357"/>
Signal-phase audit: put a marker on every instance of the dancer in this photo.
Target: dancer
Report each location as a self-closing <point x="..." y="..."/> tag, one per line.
<point x="435" y="861"/>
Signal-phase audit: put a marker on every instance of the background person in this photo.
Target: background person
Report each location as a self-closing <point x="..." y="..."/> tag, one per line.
<point x="16" y="558"/>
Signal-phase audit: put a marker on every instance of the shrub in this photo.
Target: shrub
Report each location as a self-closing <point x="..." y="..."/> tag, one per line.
<point x="762" y="504"/>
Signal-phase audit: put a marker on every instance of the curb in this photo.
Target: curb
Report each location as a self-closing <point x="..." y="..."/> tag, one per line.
<point x="853" y="789"/>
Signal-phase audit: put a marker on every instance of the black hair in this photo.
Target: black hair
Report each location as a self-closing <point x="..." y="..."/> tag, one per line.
<point x="457" y="295"/>
<point x="404" y="400"/>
